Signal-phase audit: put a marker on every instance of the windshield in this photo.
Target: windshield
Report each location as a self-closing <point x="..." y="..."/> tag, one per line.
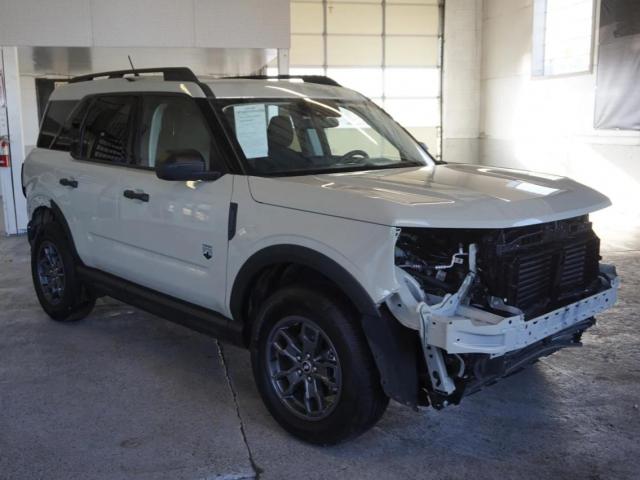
<point x="304" y="135"/>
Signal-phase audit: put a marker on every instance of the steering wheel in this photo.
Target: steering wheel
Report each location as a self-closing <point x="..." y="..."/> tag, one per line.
<point x="354" y="156"/>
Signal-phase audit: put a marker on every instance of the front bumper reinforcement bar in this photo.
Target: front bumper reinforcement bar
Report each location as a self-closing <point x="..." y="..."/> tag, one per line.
<point x="453" y="326"/>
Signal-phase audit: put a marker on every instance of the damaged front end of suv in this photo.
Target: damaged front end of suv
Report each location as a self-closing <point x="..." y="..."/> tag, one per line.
<point x="487" y="302"/>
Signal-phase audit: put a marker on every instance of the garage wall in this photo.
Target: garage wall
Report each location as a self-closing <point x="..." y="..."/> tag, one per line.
<point x="60" y="38"/>
<point x="145" y="23"/>
<point x="388" y="50"/>
<point x="546" y="124"/>
<point x="461" y="80"/>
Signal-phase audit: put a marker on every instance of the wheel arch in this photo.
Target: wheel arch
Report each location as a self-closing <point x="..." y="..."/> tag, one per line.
<point x="393" y="346"/>
<point x="50" y="212"/>
<point x="281" y="255"/>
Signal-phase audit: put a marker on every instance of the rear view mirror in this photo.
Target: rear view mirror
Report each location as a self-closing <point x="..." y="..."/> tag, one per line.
<point x="185" y="165"/>
<point x="328" y="122"/>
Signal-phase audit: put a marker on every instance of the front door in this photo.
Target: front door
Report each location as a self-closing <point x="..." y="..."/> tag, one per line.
<point x="173" y="234"/>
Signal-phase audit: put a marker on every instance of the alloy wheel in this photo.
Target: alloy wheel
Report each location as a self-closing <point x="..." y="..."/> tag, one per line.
<point x="51" y="274"/>
<point x="304" y="368"/>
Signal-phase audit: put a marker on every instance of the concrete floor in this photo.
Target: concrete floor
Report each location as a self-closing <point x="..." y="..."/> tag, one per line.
<point x="124" y="394"/>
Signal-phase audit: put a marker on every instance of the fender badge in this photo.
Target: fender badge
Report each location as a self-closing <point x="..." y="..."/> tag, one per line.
<point x="207" y="251"/>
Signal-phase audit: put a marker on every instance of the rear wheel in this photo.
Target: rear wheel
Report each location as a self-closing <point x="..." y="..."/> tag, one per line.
<point x="57" y="286"/>
<point x="313" y="367"/>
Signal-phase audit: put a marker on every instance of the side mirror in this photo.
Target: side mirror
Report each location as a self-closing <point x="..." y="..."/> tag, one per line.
<point x="424" y="146"/>
<point x="185" y="165"/>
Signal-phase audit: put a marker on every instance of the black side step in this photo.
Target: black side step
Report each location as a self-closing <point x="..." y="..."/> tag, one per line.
<point x="170" y="308"/>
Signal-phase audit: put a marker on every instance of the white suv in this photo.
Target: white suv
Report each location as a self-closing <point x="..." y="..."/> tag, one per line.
<point x="296" y="218"/>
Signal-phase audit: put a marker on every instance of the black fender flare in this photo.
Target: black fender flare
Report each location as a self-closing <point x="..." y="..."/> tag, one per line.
<point x="394" y="347"/>
<point x="303" y="256"/>
<point x="59" y="218"/>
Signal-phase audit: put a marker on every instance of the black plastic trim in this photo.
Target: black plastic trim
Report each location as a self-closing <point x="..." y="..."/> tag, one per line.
<point x="197" y="318"/>
<point x="233" y="218"/>
<point x="229" y="157"/>
<point x="219" y="127"/>
<point x="22" y="185"/>
<point x="514" y="361"/>
<point x="279" y="254"/>
<point x="170" y="74"/>
<point x="59" y="217"/>
<point x="395" y="350"/>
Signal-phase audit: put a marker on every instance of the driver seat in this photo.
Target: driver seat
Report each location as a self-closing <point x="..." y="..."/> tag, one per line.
<point x="280" y="136"/>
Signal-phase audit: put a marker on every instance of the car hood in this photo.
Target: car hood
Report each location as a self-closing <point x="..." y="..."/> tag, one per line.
<point x="445" y="196"/>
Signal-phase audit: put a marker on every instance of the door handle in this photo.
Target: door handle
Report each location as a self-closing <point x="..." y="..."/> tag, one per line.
<point x="67" y="182"/>
<point x="133" y="195"/>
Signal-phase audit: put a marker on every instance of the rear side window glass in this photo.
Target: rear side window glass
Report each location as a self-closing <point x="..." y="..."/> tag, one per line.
<point x="70" y="131"/>
<point x="52" y="124"/>
<point x="107" y="129"/>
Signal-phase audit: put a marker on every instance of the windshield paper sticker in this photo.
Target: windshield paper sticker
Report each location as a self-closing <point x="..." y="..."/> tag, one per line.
<point x="251" y="130"/>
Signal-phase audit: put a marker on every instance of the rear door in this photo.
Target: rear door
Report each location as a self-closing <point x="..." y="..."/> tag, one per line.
<point x="173" y="234"/>
<point x="53" y="164"/>
<point x="86" y="155"/>
<point x="102" y="153"/>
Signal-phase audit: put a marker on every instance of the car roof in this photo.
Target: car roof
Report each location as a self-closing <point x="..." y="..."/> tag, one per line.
<point x="225" y="88"/>
<point x="251" y="88"/>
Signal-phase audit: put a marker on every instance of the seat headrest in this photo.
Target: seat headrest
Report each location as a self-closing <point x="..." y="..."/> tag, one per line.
<point x="280" y="131"/>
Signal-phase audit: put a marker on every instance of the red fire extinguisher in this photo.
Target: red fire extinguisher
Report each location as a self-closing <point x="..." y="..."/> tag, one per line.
<point x="4" y="152"/>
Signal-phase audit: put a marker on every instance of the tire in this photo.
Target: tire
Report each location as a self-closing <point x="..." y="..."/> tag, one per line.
<point x="339" y="400"/>
<point x="55" y="281"/>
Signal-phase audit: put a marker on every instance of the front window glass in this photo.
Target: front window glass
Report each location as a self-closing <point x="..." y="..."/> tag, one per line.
<point x="305" y="135"/>
<point x="171" y="124"/>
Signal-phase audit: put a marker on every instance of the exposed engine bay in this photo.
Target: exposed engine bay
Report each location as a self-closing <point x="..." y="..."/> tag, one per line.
<point x="535" y="268"/>
<point x="488" y="302"/>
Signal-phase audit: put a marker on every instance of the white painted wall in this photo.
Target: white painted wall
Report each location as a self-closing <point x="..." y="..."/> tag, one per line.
<point x="145" y="23"/>
<point x="546" y="124"/>
<point x="14" y="203"/>
<point x="461" y="80"/>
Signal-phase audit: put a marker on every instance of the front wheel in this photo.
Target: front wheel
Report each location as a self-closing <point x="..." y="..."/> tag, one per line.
<point x="313" y="367"/>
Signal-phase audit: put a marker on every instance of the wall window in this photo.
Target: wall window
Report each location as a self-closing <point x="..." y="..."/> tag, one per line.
<point x="387" y="50"/>
<point x="562" y="36"/>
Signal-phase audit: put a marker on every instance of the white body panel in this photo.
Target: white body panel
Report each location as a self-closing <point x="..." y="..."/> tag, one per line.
<point x="443" y="196"/>
<point x="90" y="209"/>
<point x="76" y="91"/>
<point x="364" y="249"/>
<point x="223" y="88"/>
<point x="158" y="244"/>
<point x="161" y="243"/>
<point x="463" y="332"/>
<point x="244" y="88"/>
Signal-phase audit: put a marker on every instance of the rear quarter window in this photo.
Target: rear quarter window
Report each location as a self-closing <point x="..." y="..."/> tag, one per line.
<point x="54" y="120"/>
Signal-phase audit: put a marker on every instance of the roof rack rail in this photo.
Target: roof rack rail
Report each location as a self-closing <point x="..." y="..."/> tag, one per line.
<point x="319" y="79"/>
<point x="170" y="74"/>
